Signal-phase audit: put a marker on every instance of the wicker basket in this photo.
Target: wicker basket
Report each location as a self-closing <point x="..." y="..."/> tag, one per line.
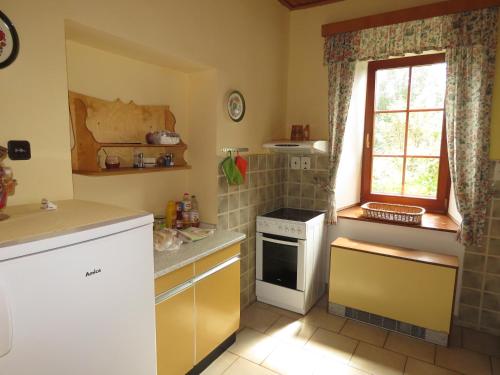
<point x="393" y="212"/>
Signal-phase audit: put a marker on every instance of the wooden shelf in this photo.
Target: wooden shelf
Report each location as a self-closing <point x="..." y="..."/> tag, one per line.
<point x="122" y="171"/>
<point x="139" y="145"/>
<point x="115" y="124"/>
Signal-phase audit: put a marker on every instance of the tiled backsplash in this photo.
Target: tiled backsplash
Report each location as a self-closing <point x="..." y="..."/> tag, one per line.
<point x="303" y="187"/>
<point x="480" y="299"/>
<point x="270" y="184"/>
<point x="238" y="207"/>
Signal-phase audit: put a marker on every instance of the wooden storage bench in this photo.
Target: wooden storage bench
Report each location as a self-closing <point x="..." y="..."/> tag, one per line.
<point x="406" y="290"/>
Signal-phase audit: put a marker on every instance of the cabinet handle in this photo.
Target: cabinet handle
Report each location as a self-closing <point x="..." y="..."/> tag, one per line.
<point x="173" y="292"/>
<point x="221" y="266"/>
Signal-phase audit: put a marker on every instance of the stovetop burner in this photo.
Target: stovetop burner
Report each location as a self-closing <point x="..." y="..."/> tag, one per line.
<point x="293" y="214"/>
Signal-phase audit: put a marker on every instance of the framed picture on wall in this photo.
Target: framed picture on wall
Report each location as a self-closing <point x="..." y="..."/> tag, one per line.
<point x="9" y="42"/>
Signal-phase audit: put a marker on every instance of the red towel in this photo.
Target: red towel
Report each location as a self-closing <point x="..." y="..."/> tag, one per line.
<point x="241" y="164"/>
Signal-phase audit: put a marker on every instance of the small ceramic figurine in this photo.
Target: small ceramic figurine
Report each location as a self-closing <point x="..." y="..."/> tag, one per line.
<point x="7" y="183"/>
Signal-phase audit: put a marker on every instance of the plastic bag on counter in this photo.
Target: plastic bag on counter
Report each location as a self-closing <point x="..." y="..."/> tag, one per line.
<point x="166" y="240"/>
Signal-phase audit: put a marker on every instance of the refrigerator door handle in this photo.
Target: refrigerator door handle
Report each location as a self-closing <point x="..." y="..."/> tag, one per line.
<point x="5" y="325"/>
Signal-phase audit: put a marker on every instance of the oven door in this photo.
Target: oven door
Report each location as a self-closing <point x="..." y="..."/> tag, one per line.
<point x="281" y="261"/>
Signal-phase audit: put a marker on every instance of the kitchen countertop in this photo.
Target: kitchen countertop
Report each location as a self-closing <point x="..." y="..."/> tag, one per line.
<point x="29" y="223"/>
<point x="168" y="261"/>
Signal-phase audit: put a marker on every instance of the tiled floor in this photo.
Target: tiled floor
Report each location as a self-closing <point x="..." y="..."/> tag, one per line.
<point x="275" y="341"/>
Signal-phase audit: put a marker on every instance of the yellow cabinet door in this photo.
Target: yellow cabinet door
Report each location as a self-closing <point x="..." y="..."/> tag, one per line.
<point x="175" y="333"/>
<point x="217" y="308"/>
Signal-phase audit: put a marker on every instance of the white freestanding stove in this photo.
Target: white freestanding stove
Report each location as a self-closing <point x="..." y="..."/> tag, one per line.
<point x="291" y="251"/>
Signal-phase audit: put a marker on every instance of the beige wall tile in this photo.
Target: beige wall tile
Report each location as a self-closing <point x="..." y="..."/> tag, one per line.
<point x="416" y="367"/>
<point x="481" y="342"/>
<point x="472" y="279"/>
<point x="490" y="319"/>
<point x="474" y="262"/>
<point x="331" y="345"/>
<point x="253" y="345"/>
<point x="470" y="297"/>
<point x="364" y="332"/>
<point x="491" y="301"/>
<point x="377" y="361"/>
<point x="462" y="360"/>
<point x="411" y="347"/>
<point x="468" y="314"/>
<point x="492" y="283"/>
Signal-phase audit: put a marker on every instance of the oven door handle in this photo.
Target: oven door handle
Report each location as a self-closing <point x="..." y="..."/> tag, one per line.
<point x="264" y="238"/>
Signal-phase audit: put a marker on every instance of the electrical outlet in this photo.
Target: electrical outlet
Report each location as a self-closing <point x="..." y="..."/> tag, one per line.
<point x="295" y="162"/>
<point x="305" y="162"/>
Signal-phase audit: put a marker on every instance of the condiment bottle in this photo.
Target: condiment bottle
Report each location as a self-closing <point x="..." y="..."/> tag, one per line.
<point x="170" y="215"/>
<point x="195" y="214"/>
<point x="178" y="221"/>
<point x="186" y="202"/>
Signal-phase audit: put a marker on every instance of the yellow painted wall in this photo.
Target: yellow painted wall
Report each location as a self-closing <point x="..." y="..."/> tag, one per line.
<point x="307" y="76"/>
<point x="245" y="41"/>
<point x="108" y="76"/>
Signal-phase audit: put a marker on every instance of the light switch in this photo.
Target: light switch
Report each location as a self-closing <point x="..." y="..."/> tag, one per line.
<point x="305" y="162"/>
<point x="295" y="162"/>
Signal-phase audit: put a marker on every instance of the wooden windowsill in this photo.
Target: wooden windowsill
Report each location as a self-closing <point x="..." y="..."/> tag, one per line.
<point x="439" y="222"/>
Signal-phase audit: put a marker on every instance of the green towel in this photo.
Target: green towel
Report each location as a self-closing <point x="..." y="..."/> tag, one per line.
<point x="231" y="171"/>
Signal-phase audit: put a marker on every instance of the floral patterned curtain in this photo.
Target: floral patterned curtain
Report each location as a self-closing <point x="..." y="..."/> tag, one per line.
<point x="469" y="40"/>
<point x="341" y="78"/>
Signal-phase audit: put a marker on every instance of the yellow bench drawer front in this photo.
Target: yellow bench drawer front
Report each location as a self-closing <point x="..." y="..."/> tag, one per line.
<point x="401" y="289"/>
<point x="171" y="280"/>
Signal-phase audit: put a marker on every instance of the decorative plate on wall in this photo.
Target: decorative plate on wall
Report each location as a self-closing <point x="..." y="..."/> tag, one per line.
<point x="236" y="106"/>
<point x="9" y="42"/>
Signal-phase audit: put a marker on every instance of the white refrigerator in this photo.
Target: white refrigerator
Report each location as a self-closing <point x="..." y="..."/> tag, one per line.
<point x="81" y="302"/>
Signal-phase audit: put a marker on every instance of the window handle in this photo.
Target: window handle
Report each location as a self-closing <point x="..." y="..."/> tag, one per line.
<point x="367" y="141"/>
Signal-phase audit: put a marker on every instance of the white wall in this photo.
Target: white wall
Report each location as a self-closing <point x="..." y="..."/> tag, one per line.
<point x="349" y="173"/>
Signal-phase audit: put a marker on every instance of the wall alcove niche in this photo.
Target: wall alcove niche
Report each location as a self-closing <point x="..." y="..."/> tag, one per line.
<point x="120" y="90"/>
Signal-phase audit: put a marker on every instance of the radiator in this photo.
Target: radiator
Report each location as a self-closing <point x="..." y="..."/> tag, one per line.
<point x="393" y="287"/>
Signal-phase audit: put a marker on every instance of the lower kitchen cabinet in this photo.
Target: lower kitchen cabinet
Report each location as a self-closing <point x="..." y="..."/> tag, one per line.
<point x="217" y="308"/>
<point x="175" y="333"/>
<point x="197" y="310"/>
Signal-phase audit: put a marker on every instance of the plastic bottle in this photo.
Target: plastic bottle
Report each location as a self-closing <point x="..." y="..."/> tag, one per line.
<point x="195" y="214"/>
<point x="170" y="215"/>
<point x="178" y="216"/>
<point x="186" y="202"/>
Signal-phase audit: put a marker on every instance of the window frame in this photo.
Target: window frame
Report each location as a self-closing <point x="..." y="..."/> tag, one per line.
<point x="438" y="204"/>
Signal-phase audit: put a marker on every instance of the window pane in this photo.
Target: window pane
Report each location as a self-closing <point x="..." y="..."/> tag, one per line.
<point x="387" y="174"/>
<point x="421" y="177"/>
<point x="389" y="134"/>
<point x="391" y="89"/>
<point x="424" y="133"/>
<point x="428" y="86"/>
